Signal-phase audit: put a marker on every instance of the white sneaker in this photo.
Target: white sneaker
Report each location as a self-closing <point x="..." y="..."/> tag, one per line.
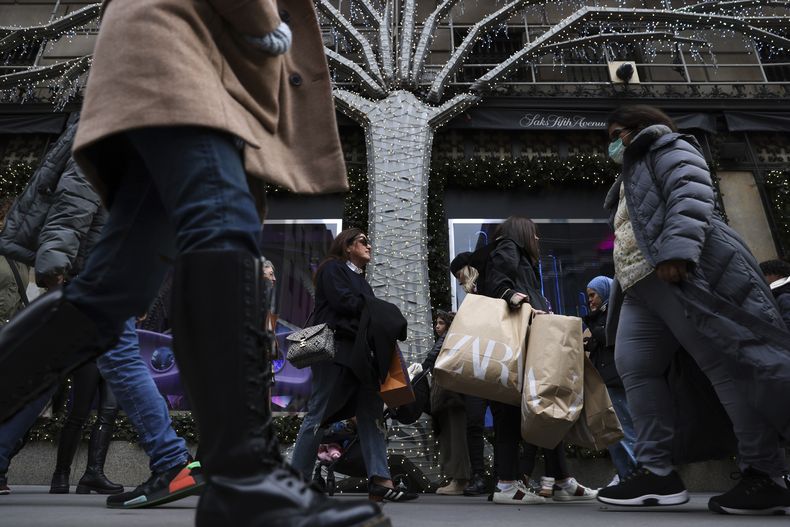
<point x="546" y="487"/>
<point x="517" y="494"/>
<point x="575" y="492"/>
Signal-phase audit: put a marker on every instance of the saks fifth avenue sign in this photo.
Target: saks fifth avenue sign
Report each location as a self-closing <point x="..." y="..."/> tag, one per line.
<point x="555" y="121"/>
<point x="529" y="119"/>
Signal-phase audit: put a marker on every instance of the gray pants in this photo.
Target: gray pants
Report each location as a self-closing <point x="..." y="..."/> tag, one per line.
<point x="652" y="326"/>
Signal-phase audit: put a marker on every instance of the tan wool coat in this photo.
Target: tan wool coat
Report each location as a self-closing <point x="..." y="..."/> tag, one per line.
<point x="184" y="62"/>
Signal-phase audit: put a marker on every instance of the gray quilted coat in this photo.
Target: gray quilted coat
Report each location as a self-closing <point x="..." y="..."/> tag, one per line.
<point x="670" y="201"/>
<point x="57" y="218"/>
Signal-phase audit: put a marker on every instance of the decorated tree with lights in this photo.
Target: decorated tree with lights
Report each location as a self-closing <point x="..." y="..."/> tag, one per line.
<point x="389" y="93"/>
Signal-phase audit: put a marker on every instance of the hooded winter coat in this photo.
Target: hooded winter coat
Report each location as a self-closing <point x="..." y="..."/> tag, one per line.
<point x="670" y="200"/>
<point x="57" y="218"/>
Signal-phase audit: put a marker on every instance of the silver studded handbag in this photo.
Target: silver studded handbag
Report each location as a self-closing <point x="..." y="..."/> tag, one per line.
<point x="311" y="345"/>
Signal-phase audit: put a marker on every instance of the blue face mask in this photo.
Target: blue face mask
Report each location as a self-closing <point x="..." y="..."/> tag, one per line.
<point x="617" y="150"/>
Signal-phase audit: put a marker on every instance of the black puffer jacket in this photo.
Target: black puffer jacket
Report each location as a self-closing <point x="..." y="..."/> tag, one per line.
<point x="58" y="217"/>
<point x="670" y="199"/>
<point x="509" y="271"/>
<point x="601" y="355"/>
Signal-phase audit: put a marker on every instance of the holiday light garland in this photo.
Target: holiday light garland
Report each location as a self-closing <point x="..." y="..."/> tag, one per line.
<point x="777" y="185"/>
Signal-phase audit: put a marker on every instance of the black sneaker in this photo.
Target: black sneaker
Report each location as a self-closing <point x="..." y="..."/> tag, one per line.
<point x="646" y="489"/>
<point x="4" y="485"/>
<point x="755" y="494"/>
<point x="174" y="484"/>
<point x="476" y="487"/>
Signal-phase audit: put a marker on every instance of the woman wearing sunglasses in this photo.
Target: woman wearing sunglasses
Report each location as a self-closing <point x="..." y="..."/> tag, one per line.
<point x="340" y="291"/>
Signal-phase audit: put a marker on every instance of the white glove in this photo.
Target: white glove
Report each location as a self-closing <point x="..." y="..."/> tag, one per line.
<point x="414" y="370"/>
<point x="276" y="43"/>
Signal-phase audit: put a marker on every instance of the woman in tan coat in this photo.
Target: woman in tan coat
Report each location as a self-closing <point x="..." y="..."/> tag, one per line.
<point x="186" y="98"/>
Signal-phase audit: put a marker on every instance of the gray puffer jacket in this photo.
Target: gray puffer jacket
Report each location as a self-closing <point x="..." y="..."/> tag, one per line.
<point x="670" y="199"/>
<point x="57" y="218"/>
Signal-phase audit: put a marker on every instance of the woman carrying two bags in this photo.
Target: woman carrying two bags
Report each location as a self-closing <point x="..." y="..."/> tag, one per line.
<point x="511" y="274"/>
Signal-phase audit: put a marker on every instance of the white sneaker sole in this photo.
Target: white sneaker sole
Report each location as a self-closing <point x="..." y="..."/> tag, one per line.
<point x="773" y="511"/>
<point x="589" y="497"/>
<point x="510" y="501"/>
<point x="649" y="500"/>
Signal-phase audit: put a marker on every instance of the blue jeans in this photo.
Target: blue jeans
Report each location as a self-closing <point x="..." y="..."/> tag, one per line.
<point x="370" y="424"/>
<point x="13" y="430"/>
<point x="622" y="453"/>
<point x="184" y="190"/>
<point x="130" y="381"/>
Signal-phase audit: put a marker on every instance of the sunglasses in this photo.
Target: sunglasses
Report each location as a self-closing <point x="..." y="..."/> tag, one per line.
<point x="616" y="134"/>
<point x="364" y="240"/>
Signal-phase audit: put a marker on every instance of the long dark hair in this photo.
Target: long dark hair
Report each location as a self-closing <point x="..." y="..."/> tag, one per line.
<point x="639" y="116"/>
<point x="524" y="232"/>
<point x="337" y="250"/>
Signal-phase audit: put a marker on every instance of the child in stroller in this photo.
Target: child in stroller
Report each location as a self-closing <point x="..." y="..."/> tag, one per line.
<point x="340" y="452"/>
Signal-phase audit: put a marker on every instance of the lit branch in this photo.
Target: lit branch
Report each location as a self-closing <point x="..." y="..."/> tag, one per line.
<point x="672" y="19"/>
<point x="367" y="83"/>
<point x="70" y="68"/>
<point x="53" y="29"/>
<point x="625" y="37"/>
<point x="426" y="38"/>
<point x="344" y="26"/>
<point x="456" y="60"/>
<point x="451" y="108"/>
<point x="381" y="22"/>
<point x="720" y="7"/>
<point x="406" y="39"/>
<point x="353" y="105"/>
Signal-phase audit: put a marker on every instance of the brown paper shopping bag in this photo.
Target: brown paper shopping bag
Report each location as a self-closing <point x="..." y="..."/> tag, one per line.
<point x="598" y="426"/>
<point x="483" y="352"/>
<point x="396" y="390"/>
<point x="553" y="379"/>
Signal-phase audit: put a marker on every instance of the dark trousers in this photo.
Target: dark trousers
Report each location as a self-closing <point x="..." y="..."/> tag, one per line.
<point x="509" y="465"/>
<point x="475" y="421"/>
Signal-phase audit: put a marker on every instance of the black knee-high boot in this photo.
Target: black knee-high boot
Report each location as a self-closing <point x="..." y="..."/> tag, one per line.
<point x="219" y="307"/>
<point x="94" y="479"/>
<point x="69" y="441"/>
<point x="40" y="346"/>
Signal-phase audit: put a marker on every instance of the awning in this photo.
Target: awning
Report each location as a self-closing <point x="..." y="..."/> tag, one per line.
<point x="757" y="121"/>
<point x="526" y="119"/>
<point x="50" y="123"/>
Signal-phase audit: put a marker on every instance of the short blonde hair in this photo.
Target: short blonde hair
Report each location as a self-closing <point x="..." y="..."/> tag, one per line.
<point x="468" y="276"/>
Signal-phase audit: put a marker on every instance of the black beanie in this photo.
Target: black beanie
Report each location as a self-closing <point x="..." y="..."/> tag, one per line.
<point x="460" y="261"/>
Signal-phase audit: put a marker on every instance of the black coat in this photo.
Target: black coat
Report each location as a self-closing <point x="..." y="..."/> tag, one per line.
<point x="366" y="330"/>
<point x="509" y="271"/>
<point x="601" y="355"/>
<point x="782" y="295"/>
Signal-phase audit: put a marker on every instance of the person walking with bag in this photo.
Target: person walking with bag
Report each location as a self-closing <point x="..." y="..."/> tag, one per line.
<point x="511" y="274"/>
<point x="685" y="278"/>
<point x="340" y="298"/>
<point x="602" y="357"/>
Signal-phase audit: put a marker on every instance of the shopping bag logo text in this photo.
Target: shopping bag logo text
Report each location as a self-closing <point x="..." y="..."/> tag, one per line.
<point x="484" y="360"/>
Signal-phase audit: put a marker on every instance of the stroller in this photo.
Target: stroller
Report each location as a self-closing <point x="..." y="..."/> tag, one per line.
<point x="404" y="473"/>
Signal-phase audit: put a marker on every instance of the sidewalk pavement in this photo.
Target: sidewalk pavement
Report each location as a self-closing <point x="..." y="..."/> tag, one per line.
<point x="32" y="506"/>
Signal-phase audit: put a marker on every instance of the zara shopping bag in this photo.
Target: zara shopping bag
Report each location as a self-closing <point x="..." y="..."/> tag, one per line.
<point x="598" y="426"/>
<point x="553" y="379"/>
<point x="483" y="352"/>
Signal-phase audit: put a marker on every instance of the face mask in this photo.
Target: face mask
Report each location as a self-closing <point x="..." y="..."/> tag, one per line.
<point x="617" y="151"/>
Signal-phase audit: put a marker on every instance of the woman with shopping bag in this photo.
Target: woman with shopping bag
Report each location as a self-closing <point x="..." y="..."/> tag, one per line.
<point x="341" y="296"/>
<point x="511" y="274"/>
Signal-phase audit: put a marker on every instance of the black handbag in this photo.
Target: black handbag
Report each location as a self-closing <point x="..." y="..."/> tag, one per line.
<point x="311" y="345"/>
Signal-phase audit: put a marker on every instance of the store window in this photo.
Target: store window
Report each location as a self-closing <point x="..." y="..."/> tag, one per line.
<point x="572" y="252"/>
